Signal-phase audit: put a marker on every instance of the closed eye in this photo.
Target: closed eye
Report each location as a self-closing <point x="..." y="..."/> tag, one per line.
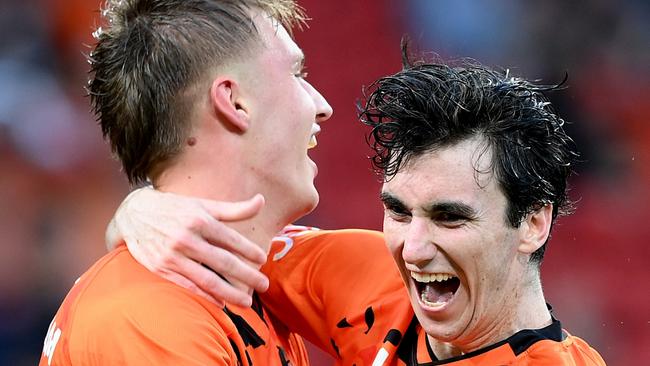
<point x="452" y="214"/>
<point x="302" y="69"/>
<point x="302" y="74"/>
<point x="398" y="214"/>
<point x="449" y="217"/>
<point x="394" y="208"/>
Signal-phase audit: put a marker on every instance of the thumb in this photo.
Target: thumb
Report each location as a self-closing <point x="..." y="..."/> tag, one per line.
<point x="234" y="211"/>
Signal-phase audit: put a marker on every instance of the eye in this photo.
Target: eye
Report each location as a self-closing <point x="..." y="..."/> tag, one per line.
<point x="450" y="219"/>
<point x="398" y="214"/>
<point x="302" y="74"/>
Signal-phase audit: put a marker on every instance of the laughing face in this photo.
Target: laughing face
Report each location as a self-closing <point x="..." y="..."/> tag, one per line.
<point x="445" y="224"/>
<point x="286" y="111"/>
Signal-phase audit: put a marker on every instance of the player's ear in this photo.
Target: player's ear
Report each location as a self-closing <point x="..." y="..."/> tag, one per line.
<point x="228" y="103"/>
<point x="535" y="228"/>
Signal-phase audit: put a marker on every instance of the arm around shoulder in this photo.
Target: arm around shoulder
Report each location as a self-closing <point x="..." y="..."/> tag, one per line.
<point x="318" y="278"/>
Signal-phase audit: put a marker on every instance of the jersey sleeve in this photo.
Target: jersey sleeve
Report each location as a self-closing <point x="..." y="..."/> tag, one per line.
<point x="339" y="289"/>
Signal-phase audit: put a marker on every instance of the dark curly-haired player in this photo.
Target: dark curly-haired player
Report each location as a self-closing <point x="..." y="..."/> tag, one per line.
<point x="475" y="165"/>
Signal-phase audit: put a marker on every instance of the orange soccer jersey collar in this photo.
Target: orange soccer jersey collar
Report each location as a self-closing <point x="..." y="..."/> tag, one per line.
<point x="413" y="352"/>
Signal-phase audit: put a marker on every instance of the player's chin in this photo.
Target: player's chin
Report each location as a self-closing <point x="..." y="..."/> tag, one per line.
<point x="309" y="197"/>
<point x="313" y="197"/>
<point x="313" y="200"/>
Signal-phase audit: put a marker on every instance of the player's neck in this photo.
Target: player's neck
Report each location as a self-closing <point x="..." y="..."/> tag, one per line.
<point x="198" y="178"/>
<point x="532" y="310"/>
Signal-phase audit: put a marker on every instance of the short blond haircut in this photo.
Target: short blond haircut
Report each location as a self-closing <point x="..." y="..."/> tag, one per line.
<point x="149" y="52"/>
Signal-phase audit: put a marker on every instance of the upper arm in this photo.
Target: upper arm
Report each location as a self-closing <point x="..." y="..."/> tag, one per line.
<point x="334" y="287"/>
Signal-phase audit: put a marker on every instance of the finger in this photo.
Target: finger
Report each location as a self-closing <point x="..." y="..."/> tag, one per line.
<point x="171" y="270"/>
<point x="222" y="236"/>
<point x="232" y="267"/>
<point x="189" y="285"/>
<point x="212" y="284"/>
<point x="241" y="286"/>
<point x="234" y="211"/>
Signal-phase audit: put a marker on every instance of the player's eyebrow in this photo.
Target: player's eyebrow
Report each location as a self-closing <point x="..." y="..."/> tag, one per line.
<point x="452" y="207"/>
<point x="391" y="201"/>
<point x="455" y="207"/>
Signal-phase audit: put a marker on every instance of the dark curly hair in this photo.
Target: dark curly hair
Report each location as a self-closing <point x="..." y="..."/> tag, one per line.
<point x="433" y="105"/>
<point x="149" y="56"/>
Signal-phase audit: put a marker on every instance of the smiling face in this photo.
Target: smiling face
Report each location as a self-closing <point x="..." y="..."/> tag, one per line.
<point x="446" y="227"/>
<point x="285" y="112"/>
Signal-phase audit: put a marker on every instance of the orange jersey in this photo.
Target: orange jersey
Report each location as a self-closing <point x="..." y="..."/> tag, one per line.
<point x="119" y="313"/>
<point x="342" y="291"/>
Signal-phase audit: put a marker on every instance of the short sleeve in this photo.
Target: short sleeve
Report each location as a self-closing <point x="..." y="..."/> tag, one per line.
<point x="339" y="289"/>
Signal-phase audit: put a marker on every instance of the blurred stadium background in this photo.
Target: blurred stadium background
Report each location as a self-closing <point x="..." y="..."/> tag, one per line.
<point x="59" y="185"/>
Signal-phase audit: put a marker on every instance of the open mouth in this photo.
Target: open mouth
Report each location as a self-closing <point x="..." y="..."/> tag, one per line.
<point x="435" y="289"/>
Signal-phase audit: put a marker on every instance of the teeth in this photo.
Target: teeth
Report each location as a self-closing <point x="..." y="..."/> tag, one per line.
<point x="312" y="142"/>
<point x="315" y="130"/>
<point x="431" y="277"/>
<point x="432" y="304"/>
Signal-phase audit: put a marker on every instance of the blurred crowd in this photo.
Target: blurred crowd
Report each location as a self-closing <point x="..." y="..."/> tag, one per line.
<point x="59" y="184"/>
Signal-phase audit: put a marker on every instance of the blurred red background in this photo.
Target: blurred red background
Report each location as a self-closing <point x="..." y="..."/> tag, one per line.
<point x="59" y="185"/>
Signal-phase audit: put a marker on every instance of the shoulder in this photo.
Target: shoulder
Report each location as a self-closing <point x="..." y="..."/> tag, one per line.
<point x="124" y="312"/>
<point x="351" y="241"/>
<point x="571" y="351"/>
<point x="121" y="287"/>
<point x="335" y="254"/>
<point x="311" y="232"/>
